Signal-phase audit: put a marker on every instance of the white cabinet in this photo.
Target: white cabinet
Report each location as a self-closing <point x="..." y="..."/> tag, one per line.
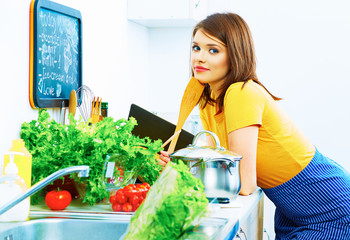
<point x="166" y="13"/>
<point x="251" y="225"/>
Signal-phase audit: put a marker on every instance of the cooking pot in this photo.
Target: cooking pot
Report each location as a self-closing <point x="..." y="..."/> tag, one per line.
<point x="217" y="167"/>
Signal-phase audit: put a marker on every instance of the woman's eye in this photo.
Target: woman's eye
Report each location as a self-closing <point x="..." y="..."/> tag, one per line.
<point x="213" y="50"/>
<point x="195" y="48"/>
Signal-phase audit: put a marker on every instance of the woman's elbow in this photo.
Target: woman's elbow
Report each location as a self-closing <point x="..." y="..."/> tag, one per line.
<point x="246" y="191"/>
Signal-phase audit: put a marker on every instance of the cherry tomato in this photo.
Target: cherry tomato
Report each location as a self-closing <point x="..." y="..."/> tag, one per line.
<point x="112" y="199"/>
<point x="133" y="186"/>
<point x="135" y="206"/>
<point x="146" y="185"/>
<point x="117" y="207"/>
<point x="134" y="199"/>
<point x="129" y="191"/>
<point x="138" y="191"/>
<point x="58" y="200"/>
<point x="120" y="198"/>
<point x="127" y="207"/>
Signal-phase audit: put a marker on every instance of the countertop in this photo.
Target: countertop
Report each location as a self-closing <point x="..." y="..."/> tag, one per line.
<point x="229" y="216"/>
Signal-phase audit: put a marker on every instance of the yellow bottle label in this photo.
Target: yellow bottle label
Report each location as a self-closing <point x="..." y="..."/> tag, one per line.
<point x="23" y="163"/>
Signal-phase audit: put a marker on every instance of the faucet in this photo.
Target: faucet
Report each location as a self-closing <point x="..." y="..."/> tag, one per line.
<point x="83" y="171"/>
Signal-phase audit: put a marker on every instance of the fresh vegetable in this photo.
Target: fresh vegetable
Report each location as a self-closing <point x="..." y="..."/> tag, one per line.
<point x="175" y="203"/>
<point x="58" y="199"/>
<point x="127" y="207"/>
<point x="55" y="146"/>
<point x="131" y="195"/>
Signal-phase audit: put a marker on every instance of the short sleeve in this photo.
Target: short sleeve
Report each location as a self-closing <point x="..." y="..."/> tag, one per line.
<point x="244" y="106"/>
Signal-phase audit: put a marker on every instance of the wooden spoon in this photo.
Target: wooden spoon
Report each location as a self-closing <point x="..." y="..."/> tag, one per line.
<point x="73" y="102"/>
<point x="189" y="100"/>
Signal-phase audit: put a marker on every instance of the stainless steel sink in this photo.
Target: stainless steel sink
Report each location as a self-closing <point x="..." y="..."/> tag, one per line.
<point x="63" y="229"/>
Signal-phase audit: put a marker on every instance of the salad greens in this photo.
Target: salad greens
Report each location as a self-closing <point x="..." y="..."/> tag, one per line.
<point x="175" y="203"/>
<point x="55" y="146"/>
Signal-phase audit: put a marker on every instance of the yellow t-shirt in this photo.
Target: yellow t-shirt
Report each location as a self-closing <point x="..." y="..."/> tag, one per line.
<point x="282" y="152"/>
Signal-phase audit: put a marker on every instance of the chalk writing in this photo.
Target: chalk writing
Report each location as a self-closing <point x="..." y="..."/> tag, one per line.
<point x="58" y="54"/>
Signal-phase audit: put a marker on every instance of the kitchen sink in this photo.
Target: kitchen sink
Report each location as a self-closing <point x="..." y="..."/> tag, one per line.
<point x="60" y="228"/>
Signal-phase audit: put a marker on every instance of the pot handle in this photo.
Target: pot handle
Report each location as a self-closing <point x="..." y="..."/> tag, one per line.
<point x="216" y="139"/>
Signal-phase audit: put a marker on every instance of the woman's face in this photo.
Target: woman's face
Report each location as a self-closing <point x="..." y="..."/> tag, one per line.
<point x="209" y="59"/>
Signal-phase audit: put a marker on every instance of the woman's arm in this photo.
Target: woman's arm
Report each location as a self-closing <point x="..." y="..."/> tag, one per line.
<point x="244" y="142"/>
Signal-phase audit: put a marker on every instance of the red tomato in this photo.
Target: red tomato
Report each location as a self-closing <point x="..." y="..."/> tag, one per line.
<point x="138" y="191"/>
<point x="129" y="191"/>
<point x="135" y="206"/>
<point x="131" y="185"/>
<point x="58" y="200"/>
<point x="120" y="191"/>
<point x="121" y="199"/>
<point x="134" y="199"/>
<point x="127" y="207"/>
<point x="112" y="199"/>
<point x="146" y="185"/>
<point x="117" y="207"/>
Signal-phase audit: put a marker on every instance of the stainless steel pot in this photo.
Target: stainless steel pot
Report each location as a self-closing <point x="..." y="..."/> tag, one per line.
<point x="216" y="167"/>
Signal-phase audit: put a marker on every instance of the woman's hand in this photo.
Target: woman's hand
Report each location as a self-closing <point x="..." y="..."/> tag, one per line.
<point x="163" y="158"/>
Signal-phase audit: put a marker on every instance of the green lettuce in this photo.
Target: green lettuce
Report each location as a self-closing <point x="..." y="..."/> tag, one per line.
<point x="55" y="146"/>
<point x="175" y="203"/>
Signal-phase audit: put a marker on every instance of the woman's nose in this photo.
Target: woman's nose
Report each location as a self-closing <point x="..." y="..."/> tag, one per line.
<point x="200" y="56"/>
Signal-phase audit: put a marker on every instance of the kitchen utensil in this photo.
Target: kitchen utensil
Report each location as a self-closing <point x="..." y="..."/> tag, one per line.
<point x="72" y="102"/>
<point x="86" y="95"/>
<point x="216" y="167"/>
<point x="189" y="100"/>
<point x="95" y="110"/>
<point x="62" y="113"/>
<point x="171" y="138"/>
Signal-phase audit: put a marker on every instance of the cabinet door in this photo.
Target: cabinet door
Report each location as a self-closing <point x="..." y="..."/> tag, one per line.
<point x="252" y="227"/>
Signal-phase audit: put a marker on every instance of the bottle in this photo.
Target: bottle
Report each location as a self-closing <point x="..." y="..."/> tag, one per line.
<point x="11" y="186"/>
<point x="104" y="109"/>
<point x="22" y="159"/>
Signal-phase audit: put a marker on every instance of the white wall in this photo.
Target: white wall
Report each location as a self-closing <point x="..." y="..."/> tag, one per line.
<point x="303" y="56"/>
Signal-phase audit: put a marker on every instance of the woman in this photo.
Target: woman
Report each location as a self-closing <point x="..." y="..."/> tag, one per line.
<point x="310" y="191"/>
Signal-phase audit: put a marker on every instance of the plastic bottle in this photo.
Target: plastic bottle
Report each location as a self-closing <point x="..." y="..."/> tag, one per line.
<point x="23" y="160"/>
<point x="11" y="186"/>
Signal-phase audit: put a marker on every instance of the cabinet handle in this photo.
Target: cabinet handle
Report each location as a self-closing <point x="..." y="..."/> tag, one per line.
<point x="267" y="234"/>
<point x="238" y="235"/>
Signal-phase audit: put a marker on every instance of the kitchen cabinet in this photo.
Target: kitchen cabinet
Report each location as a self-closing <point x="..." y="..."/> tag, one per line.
<point x="245" y="217"/>
<point x="166" y="13"/>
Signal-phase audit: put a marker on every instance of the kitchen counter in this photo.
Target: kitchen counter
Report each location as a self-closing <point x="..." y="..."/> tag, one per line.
<point x="241" y="219"/>
<point x="245" y="217"/>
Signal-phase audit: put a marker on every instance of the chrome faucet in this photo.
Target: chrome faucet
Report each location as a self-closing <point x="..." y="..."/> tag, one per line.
<point x="83" y="171"/>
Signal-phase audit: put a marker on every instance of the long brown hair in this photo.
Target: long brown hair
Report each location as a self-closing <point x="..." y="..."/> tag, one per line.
<point x="234" y="32"/>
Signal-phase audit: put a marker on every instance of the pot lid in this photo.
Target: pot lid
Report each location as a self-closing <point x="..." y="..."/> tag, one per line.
<point x="193" y="152"/>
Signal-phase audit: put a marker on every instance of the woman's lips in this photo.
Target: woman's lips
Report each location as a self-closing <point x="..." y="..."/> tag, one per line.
<point x="200" y="69"/>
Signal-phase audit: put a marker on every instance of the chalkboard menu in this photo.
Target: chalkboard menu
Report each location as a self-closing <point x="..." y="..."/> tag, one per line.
<point x="55" y="53"/>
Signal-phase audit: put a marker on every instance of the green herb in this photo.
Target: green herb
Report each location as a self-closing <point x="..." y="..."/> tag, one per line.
<point x="175" y="203"/>
<point x="55" y="146"/>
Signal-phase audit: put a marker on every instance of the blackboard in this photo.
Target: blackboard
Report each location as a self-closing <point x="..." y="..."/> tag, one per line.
<point x="56" y="53"/>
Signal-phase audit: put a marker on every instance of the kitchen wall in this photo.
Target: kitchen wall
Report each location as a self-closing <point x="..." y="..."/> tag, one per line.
<point x="302" y="49"/>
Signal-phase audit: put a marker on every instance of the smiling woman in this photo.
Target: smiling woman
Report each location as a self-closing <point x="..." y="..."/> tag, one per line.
<point x="276" y="155"/>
